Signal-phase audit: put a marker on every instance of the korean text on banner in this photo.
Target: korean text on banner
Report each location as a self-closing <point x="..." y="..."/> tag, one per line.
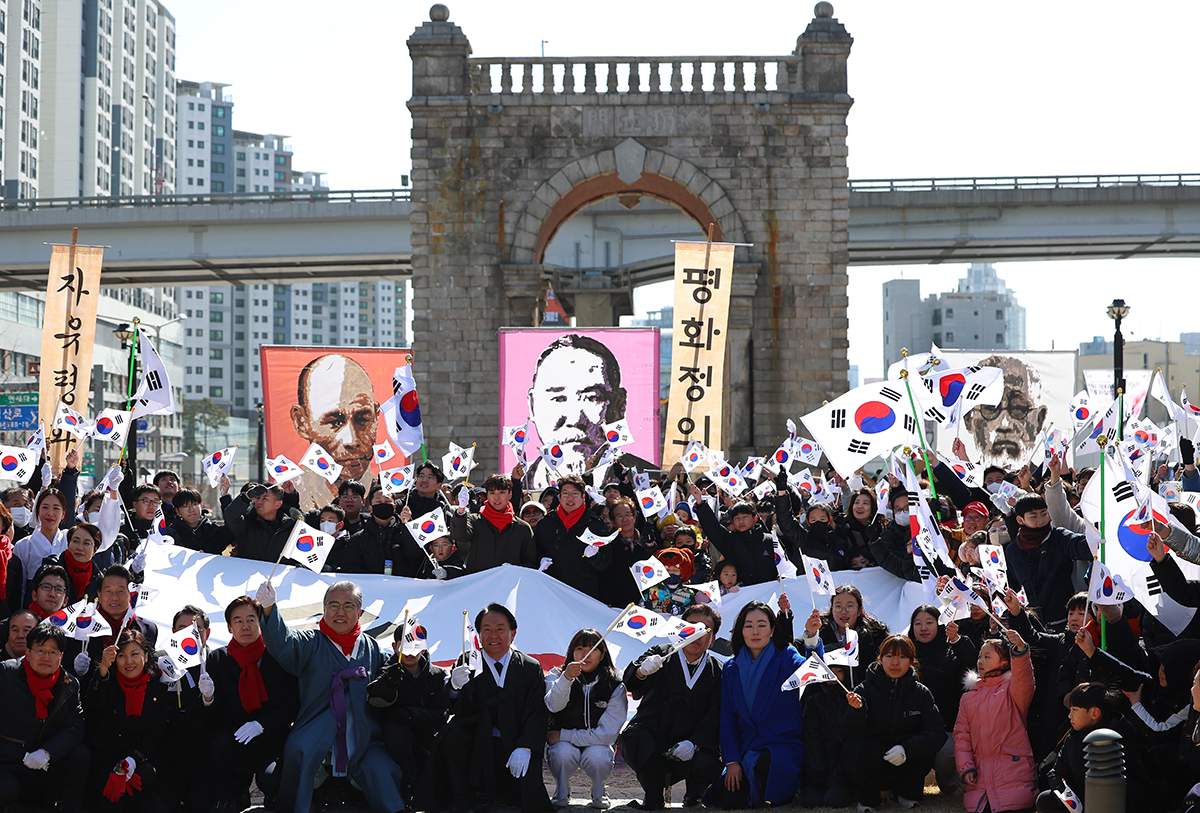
<point x="68" y="333"/>
<point x="703" y="282"/>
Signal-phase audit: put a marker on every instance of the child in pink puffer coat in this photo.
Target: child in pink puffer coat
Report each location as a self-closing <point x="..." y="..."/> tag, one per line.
<point x="991" y="742"/>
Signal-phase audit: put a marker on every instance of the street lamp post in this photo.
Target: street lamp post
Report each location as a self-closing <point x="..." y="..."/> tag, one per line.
<point x="126" y="335"/>
<point x="1117" y="311"/>
<point x="262" y="449"/>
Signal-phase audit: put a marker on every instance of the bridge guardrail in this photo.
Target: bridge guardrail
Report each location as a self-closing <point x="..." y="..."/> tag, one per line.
<point x="234" y="198"/>
<point x="1023" y="182"/>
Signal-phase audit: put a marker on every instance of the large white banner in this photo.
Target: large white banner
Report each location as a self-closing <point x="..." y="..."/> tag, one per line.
<point x="548" y="612"/>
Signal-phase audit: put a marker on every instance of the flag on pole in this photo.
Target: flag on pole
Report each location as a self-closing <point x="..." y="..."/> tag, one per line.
<point x="71" y="421"/>
<point x="185" y="647"/>
<point x="17" y="463"/>
<point x="802" y="483"/>
<point x="515" y="438"/>
<point x="402" y="412"/>
<point x="648" y="573"/>
<point x="1109" y="426"/>
<point x="642" y="624"/>
<point x="651" y="501"/>
<point x="308" y="546"/>
<point x="158" y="530"/>
<point x="281" y="469"/>
<point x="415" y="639"/>
<point x="154" y="395"/>
<point x="1105" y="587"/>
<point x="847" y="655"/>
<point x="992" y="560"/>
<point x="617" y="433"/>
<point x="552" y="456"/>
<point x="820" y="580"/>
<point x="383" y="452"/>
<point x="321" y="462"/>
<point x="112" y="425"/>
<point x="763" y="490"/>
<point x="428" y="527"/>
<point x="1070" y="801"/>
<point x="695" y="455"/>
<point x="942" y="390"/>
<point x="783" y="565"/>
<point x="37" y="441"/>
<point x="458" y="462"/>
<point x="682" y="633"/>
<point x="554" y="313"/>
<point x="966" y="471"/>
<point x="807" y="451"/>
<point x="811" y="671"/>
<point x="780" y="460"/>
<point x="726" y="478"/>
<point x="861" y="424"/>
<point x="1081" y="409"/>
<point x="218" y="464"/>
<point x="396" y="481"/>
<point x="589" y="538"/>
<point x="1160" y="392"/>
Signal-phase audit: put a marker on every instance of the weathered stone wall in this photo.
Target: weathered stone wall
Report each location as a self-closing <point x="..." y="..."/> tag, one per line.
<point x="495" y="172"/>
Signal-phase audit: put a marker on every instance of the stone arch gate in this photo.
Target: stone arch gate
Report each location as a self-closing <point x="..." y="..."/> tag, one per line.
<point x="506" y="150"/>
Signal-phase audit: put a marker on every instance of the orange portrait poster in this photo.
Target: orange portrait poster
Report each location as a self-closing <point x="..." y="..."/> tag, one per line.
<point x="329" y="396"/>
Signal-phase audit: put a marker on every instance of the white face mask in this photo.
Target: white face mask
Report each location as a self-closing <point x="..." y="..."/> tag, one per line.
<point x="993" y="487"/>
<point x="329" y="527"/>
<point x="21" y="516"/>
<point x="94" y="517"/>
<point x="901" y="517"/>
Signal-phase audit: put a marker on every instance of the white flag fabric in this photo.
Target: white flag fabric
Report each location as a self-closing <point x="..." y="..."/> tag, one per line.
<point x="1160" y="392"/>
<point x="458" y="462"/>
<point x="763" y="490"/>
<point x="1186" y="407"/>
<point x="515" y="438"/>
<point x="17" y="463"/>
<point x="942" y="390"/>
<point x="308" y="546"/>
<point x="154" y="395"/>
<point x="552" y="456"/>
<point x="589" y="538"/>
<point x="991" y="559"/>
<point x="781" y="459"/>
<point x="321" y="462"/>
<point x="397" y="481"/>
<point x="112" y="425"/>
<point x="648" y="573"/>
<point x="642" y="624"/>
<point x="651" y="501"/>
<point x="695" y="456"/>
<point x="383" y="452"/>
<point x="1081" y="409"/>
<point x="726" y="478"/>
<point x="708" y="593"/>
<point x="683" y="633"/>
<point x="862" y="424"/>
<point x="428" y="527"/>
<point x="811" y="671"/>
<point x="1069" y="799"/>
<point x="847" y="655"/>
<point x="617" y="433"/>
<point x="281" y="469"/>
<point x="753" y="469"/>
<point x="218" y="464"/>
<point x="185" y="647"/>
<point x="1108" y="425"/>
<point x="37" y="441"/>
<point x="783" y="565"/>
<point x="71" y="421"/>
<point x="402" y="412"/>
<point x="807" y="451"/>
<point x="415" y="638"/>
<point x="80" y="621"/>
<point x="158" y="529"/>
<point x="820" y="580"/>
<point x="1106" y="587"/>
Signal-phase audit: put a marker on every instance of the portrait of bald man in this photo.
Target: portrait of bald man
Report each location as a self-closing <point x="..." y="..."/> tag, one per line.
<point x="336" y="408"/>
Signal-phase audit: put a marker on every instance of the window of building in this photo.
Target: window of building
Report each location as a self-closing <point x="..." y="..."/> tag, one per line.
<point x="240" y="369"/>
<point x="239" y="401"/>
<point x="188" y="370"/>
<point x="240" y="172"/>
<point x="218" y="167"/>
<point x="239" y="319"/>
<point x="937" y="338"/>
<point x="216" y="335"/>
<point x="280" y="160"/>
<point x="279" y="338"/>
<point x="239" y="385"/>
<point x="191" y="105"/>
<point x="280" y="321"/>
<point x="279" y="176"/>
<point x="218" y="186"/>
<point x="950" y="313"/>
<point x="219" y="112"/>
<point x="216" y="392"/>
<point x="280" y="305"/>
<point x="937" y="316"/>
<point x="216" y="316"/>
<point x="191" y="143"/>
<point x="218" y="130"/>
<point x="200" y="162"/>
<point x="999" y="338"/>
<point x="241" y="156"/>
<point x="218" y="149"/>
<point x="200" y="145"/>
<point x="950" y="337"/>
<point x="202" y="106"/>
<point x="216" y="298"/>
<point x="216" y="372"/>
<point x="317" y="323"/>
<point x="999" y="314"/>
<point x="241" y="187"/>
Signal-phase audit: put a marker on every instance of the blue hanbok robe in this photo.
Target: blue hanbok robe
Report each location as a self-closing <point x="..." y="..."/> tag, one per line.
<point x="315" y="661"/>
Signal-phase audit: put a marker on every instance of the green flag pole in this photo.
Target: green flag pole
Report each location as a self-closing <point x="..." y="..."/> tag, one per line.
<point x="912" y="403"/>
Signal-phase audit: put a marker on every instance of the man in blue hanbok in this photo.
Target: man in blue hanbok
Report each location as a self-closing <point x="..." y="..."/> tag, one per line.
<point x="334" y="664"/>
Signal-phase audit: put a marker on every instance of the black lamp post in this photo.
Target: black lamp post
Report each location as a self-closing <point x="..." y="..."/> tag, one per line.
<point x="1117" y="311"/>
<point x="262" y="449"/>
<point x="127" y="335"/>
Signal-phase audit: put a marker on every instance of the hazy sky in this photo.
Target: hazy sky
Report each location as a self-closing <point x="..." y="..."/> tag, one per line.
<point x="941" y="87"/>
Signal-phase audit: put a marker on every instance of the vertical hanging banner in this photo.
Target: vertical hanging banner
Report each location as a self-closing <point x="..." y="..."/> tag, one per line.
<point x="68" y="333"/>
<point x="703" y="282"/>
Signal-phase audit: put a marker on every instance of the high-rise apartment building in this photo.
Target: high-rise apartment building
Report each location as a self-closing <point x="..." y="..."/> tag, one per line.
<point x="982" y="314"/>
<point x="225" y="325"/>
<point x="21" y="49"/>
<point x="107" y="98"/>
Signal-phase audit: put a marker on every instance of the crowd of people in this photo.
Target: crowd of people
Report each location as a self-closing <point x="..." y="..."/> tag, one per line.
<point x="996" y="706"/>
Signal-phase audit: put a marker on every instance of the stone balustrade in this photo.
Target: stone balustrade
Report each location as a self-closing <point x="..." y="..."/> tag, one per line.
<point x="684" y="74"/>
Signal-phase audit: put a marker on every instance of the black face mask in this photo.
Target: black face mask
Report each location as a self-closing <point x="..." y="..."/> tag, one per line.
<point x="383" y="510"/>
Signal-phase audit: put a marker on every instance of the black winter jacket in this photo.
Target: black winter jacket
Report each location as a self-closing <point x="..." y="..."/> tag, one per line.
<point x="897" y="712"/>
<point x="20" y="730"/>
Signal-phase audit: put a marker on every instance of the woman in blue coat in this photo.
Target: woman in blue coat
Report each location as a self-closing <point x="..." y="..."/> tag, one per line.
<point x="762" y="740"/>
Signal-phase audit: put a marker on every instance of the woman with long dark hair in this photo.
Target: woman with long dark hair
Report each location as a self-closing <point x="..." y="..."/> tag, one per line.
<point x="762" y="738"/>
<point x="945" y="656"/>
<point x="587" y="704"/>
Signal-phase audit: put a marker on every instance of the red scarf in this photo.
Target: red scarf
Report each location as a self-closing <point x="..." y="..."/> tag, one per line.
<point x="135" y="692"/>
<point x="570" y="520"/>
<point x="251" y="688"/>
<point x="37" y="610"/>
<point x="81" y="575"/>
<point x="42" y="689"/>
<point x="345" y="641"/>
<point x="500" y="519"/>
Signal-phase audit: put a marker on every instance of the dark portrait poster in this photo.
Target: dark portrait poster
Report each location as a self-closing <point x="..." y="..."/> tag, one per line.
<point x="568" y="383"/>
<point x="331" y="396"/>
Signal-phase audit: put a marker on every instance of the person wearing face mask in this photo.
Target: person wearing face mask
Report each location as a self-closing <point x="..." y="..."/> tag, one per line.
<point x="192" y="529"/>
<point x="381" y="540"/>
<point x="746" y="542"/>
<point x="816" y="536"/>
<point x="98" y="512"/>
<point x="893" y="549"/>
<point x="1041" y="559"/>
<point x="18" y="502"/>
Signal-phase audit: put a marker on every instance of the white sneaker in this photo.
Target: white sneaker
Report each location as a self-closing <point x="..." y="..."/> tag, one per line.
<point x="600" y="803"/>
<point x="907" y="804"/>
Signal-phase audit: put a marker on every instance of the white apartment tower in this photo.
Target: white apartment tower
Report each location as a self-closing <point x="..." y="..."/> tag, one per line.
<point x="20" y="97"/>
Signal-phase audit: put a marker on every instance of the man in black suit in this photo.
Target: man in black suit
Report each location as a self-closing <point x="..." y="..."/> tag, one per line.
<point x="491" y="750"/>
<point x="674" y="734"/>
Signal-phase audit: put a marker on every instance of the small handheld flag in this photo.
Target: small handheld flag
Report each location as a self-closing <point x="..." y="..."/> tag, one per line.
<point x="308" y="546"/>
<point x="112" y="425"/>
<point x="617" y="433"/>
<point x="428" y="527"/>
<point x="321" y="462"/>
<point x="383" y="452"/>
<point x="811" y="671"/>
<point x="185" y="647"/>
<point x="281" y="469"/>
<point x="458" y="462"/>
<point x="396" y="481"/>
<point x="648" y="573"/>
<point x="218" y="464"/>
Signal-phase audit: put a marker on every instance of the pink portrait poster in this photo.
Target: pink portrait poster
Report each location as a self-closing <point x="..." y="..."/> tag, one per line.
<point x="569" y="383"/>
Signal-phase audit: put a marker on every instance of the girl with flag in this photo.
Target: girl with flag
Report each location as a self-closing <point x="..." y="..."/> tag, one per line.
<point x="863" y="527"/>
<point x="587" y="704"/>
<point x="991" y="742"/>
<point x="846" y="612"/>
<point x="945" y="656"/>
<point x="893" y="729"/>
<point x="126" y="707"/>
<point x="249" y="704"/>
<point x="762" y="733"/>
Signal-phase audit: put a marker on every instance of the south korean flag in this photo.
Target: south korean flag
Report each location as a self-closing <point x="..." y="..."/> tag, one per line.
<point x="415" y="639"/>
<point x="112" y="425"/>
<point x="186" y="647"/>
<point x="308" y="546"/>
<point x="862" y="424"/>
<point x="17" y="463"/>
<point x="321" y="462"/>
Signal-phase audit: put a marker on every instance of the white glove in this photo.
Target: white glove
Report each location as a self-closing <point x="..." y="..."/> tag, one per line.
<point x="546" y="562"/>
<point x="127" y="766"/>
<point x="206" y="687"/>
<point x="683" y="751"/>
<point x="265" y="595"/>
<point x="651" y="665"/>
<point x="439" y="572"/>
<point x="590" y="551"/>
<point x="518" y="762"/>
<point x="138" y="563"/>
<point x="248" y="732"/>
<point x="895" y="755"/>
<point x="464" y="497"/>
<point x="83" y="662"/>
<point x="37" y="760"/>
<point x="459" y="676"/>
